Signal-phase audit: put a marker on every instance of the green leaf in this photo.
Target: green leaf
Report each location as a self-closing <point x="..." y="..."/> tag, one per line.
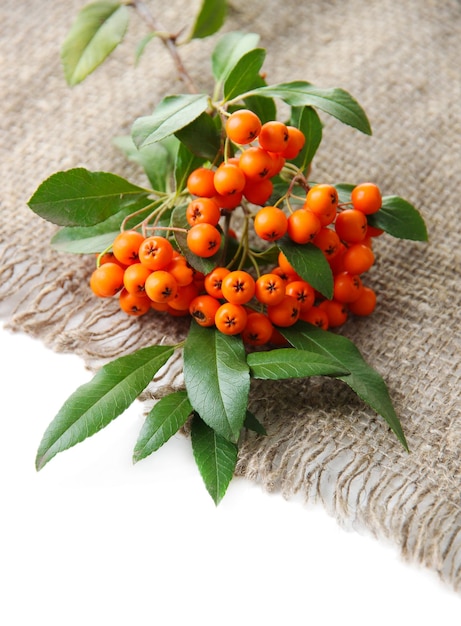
<point x="229" y="49"/>
<point x="97" y="30"/>
<point x="245" y="74"/>
<point x="162" y="422"/>
<point x="336" y="102"/>
<point x="282" y="363"/>
<point x="204" y="265"/>
<point x="143" y="45"/>
<point x="185" y="163"/>
<point x="252" y="423"/>
<point x="201" y="137"/>
<point x="78" y="197"/>
<point x="215" y="457"/>
<point x="171" y="115"/>
<point x="217" y="379"/>
<point x="363" y="379"/>
<point x="344" y="191"/>
<point x="95" y="404"/>
<point x="310" y="263"/>
<point x="400" y="219"/>
<point x="209" y="19"/>
<point x="95" y="239"/>
<point x="308" y="121"/>
<point x="156" y="159"/>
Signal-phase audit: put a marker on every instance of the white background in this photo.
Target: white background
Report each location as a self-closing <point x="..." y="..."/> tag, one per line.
<point x="94" y="540"/>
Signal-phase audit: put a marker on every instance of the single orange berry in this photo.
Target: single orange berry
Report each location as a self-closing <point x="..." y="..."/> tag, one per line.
<point x="229" y="202"/>
<point x="273" y="136"/>
<point x="270" y="288"/>
<point x="203" y="309"/>
<point x="351" y="225"/>
<point x="347" y="287"/>
<point x="358" y="258"/>
<point x="230" y="318"/>
<point x="203" y="210"/>
<point x="156" y="252"/>
<point x="203" y="240"/>
<point x="183" y="297"/>
<point x="303" y="226"/>
<point x="256" y="163"/>
<point x="366" y="197"/>
<point x="229" y="179"/>
<point x="258" y="329"/>
<point x="328" y="241"/>
<point x="107" y="280"/>
<point x="238" y="287"/>
<point x="160" y="286"/>
<point x="365" y="303"/>
<point x="200" y="182"/>
<point x="315" y="316"/>
<point x="213" y="281"/>
<point x="336" y="312"/>
<point x="295" y="144"/>
<point x="181" y="271"/>
<point x="243" y="126"/>
<point x="322" y="200"/>
<point x="126" y="246"/>
<point x="134" y="278"/>
<point x="303" y="292"/>
<point x="270" y="223"/>
<point x="286" y="313"/>
<point x="258" y="192"/>
<point x="134" y="304"/>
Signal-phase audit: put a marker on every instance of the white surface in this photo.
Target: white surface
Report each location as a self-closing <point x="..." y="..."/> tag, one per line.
<point x="94" y="540"/>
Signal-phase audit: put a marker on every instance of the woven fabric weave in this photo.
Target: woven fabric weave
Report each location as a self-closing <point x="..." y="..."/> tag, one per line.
<point x="401" y="62"/>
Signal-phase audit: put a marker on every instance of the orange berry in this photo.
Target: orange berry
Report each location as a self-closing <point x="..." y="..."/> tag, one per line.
<point x="286" y="313"/>
<point x="316" y="316"/>
<point x="203" y="240"/>
<point x="229" y="202"/>
<point x="126" y="246"/>
<point x="365" y="303"/>
<point x="238" y="287"/>
<point x="273" y="136"/>
<point x="213" y="281"/>
<point x="156" y="252"/>
<point x="303" y="226"/>
<point x="181" y="271"/>
<point x="302" y="292"/>
<point x="183" y="297"/>
<point x="200" y="182"/>
<point x="258" y="192"/>
<point x="107" y="280"/>
<point x="134" y="278"/>
<point x="358" y="258"/>
<point x="230" y="318"/>
<point x="351" y="225"/>
<point x="295" y="144"/>
<point x="256" y="163"/>
<point x="366" y="197"/>
<point x="336" y="312"/>
<point x="258" y="329"/>
<point x="243" y="126"/>
<point x="328" y="241"/>
<point x="203" y="210"/>
<point x="229" y="179"/>
<point x="203" y="309"/>
<point x="270" y="288"/>
<point x="161" y="286"/>
<point x="322" y="200"/>
<point x="134" y="304"/>
<point x="347" y="287"/>
<point x="270" y="223"/>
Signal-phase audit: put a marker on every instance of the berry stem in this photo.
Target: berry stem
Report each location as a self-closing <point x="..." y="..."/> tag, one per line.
<point x="168" y="40"/>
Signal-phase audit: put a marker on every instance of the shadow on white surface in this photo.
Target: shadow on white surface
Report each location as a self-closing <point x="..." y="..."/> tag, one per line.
<point x="94" y="540"/>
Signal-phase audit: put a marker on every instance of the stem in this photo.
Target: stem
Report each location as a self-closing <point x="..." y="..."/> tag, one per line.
<point x="168" y="40"/>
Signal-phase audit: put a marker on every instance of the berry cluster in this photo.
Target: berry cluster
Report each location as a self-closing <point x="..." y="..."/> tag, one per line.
<point x="149" y="272"/>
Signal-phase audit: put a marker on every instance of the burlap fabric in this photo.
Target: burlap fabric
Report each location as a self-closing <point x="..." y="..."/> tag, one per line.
<point x="401" y="61"/>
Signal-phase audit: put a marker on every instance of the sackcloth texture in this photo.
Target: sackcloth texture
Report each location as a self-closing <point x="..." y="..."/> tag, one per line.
<point x="400" y="60"/>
